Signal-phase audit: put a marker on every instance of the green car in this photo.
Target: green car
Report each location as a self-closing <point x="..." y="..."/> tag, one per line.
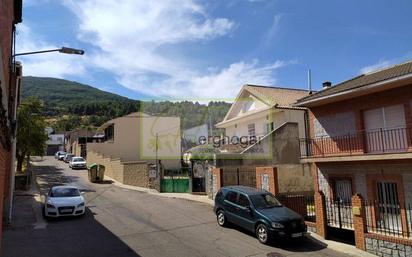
<point x="257" y="211"/>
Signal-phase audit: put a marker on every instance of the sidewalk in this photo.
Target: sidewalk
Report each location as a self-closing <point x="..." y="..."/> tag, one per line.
<point x="27" y="209"/>
<point x="186" y="196"/>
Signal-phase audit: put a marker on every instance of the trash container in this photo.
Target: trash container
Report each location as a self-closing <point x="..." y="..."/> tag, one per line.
<point x="96" y="172"/>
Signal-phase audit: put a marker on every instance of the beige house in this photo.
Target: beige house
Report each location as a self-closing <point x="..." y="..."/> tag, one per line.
<point x="135" y="141"/>
<point x="259" y="109"/>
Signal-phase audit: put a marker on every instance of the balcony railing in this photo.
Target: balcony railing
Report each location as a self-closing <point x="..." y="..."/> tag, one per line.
<point x="395" y="140"/>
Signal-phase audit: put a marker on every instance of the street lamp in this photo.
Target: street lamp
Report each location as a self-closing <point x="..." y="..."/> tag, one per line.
<point x="63" y="50"/>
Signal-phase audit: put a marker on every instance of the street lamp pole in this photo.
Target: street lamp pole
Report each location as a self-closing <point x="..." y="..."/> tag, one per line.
<point x="63" y="50"/>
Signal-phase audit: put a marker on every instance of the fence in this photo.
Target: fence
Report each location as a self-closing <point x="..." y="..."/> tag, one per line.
<point x="386" y="219"/>
<point x="244" y="176"/>
<point x="339" y="214"/>
<point x="374" y="141"/>
<point x="302" y="203"/>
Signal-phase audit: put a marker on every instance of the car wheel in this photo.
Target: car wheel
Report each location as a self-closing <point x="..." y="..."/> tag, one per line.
<point x="221" y="218"/>
<point x="262" y="233"/>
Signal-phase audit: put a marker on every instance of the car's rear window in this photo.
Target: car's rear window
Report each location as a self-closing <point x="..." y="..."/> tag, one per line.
<point x="264" y="201"/>
<point x="64" y="192"/>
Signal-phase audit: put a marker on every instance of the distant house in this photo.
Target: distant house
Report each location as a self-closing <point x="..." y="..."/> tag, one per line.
<point x="134" y="142"/>
<point x="76" y="141"/>
<point x="55" y="141"/>
<point x="360" y="141"/>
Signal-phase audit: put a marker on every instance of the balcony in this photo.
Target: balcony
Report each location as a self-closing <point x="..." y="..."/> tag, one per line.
<point x="362" y="143"/>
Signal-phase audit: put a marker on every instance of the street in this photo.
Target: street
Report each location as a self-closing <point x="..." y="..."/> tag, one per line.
<point x="121" y="222"/>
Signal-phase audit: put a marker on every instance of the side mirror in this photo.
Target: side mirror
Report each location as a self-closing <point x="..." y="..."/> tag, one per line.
<point x="248" y="209"/>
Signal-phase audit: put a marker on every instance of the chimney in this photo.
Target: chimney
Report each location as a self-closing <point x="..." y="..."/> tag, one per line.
<point x="327" y="84"/>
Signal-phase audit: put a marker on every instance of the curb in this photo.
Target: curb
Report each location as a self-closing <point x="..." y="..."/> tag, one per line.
<point x="184" y="196"/>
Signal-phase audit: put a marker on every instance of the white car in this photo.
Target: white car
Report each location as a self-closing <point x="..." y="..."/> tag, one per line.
<point x="60" y="155"/>
<point x="77" y="163"/>
<point x="64" y="201"/>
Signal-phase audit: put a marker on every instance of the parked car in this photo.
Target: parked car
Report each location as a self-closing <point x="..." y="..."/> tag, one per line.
<point x="257" y="211"/>
<point x="68" y="157"/>
<point x="56" y="155"/>
<point x="64" y="201"/>
<point x="61" y="155"/>
<point x="77" y="163"/>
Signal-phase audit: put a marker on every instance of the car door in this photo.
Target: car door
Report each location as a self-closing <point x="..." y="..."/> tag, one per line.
<point x="245" y="213"/>
<point x="230" y="206"/>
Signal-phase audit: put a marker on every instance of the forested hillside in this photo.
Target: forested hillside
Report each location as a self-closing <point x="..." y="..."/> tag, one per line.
<point x="70" y="105"/>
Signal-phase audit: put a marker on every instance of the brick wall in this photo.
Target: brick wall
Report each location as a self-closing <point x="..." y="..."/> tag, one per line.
<point x="6" y="30"/>
<point x="272" y="175"/>
<point x="357" y="105"/>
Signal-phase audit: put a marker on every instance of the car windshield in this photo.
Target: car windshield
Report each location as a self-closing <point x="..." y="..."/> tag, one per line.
<point x="78" y="159"/>
<point x="264" y="201"/>
<point x="64" y="192"/>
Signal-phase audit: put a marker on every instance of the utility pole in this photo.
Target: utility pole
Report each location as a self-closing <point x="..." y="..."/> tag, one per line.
<point x="156" y="147"/>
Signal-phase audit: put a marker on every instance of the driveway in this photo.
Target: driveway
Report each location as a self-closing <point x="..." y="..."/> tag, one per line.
<point x="121" y="222"/>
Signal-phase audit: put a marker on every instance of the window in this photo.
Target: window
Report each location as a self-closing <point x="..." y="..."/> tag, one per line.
<point x="243" y="201"/>
<point x="231" y="196"/>
<point x="388" y="209"/>
<point x="385" y="128"/>
<point x="251" y="129"/>
<point x="268" y="127"/>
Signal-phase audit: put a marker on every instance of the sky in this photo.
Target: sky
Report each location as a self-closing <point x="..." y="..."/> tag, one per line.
<point x="206" y="50"/>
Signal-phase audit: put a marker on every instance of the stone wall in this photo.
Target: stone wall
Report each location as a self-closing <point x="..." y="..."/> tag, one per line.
<point x="387" y="249"/>
<point x="136" y="174"/>
<point x="128" y="173"/>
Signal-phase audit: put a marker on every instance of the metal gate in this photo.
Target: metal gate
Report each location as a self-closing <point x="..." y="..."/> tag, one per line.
<point x="339" y="213"/>
<point x="239" y="176"/>
<point x="339" y="208"/>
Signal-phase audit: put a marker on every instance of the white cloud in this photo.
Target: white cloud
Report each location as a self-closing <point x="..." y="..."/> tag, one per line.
<point x="213" y="86"/>
<point x="135" y="40"/>
<point x="377" y="66"/>
<point x="48" y="64"/>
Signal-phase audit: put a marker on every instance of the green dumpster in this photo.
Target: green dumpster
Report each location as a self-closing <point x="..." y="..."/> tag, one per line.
<point x="96" y="172"/>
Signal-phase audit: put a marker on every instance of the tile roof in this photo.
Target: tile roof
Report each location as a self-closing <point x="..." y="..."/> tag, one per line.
<point x="277" y="95"/>
<point x="363" y="80"/>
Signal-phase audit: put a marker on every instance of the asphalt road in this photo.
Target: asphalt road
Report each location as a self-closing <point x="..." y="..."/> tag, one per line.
<point x="121" y="222"/>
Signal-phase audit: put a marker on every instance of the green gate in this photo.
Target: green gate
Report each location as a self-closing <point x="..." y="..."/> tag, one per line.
<point x="175" y="185"/>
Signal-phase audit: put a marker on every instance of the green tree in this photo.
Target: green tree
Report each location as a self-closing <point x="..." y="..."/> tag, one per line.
<point x="31" y="134"/>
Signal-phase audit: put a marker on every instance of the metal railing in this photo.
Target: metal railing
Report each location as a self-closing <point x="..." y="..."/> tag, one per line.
<point x="302" y="203"/>
<point x="362" y="142"/>
<point x="388" y="219"/>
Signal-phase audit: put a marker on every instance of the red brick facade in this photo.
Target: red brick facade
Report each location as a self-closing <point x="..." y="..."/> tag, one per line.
<point x="8" y="11"/>
<point x="272" y="174"/>
<point x="381" y="170"/>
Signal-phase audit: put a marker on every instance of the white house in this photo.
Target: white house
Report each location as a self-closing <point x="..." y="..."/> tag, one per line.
<point x="258" y="110"/>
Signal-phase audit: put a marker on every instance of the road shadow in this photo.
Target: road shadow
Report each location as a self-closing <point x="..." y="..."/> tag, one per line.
<point x="64" y="237"/>
<point x="305" y="244"/>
